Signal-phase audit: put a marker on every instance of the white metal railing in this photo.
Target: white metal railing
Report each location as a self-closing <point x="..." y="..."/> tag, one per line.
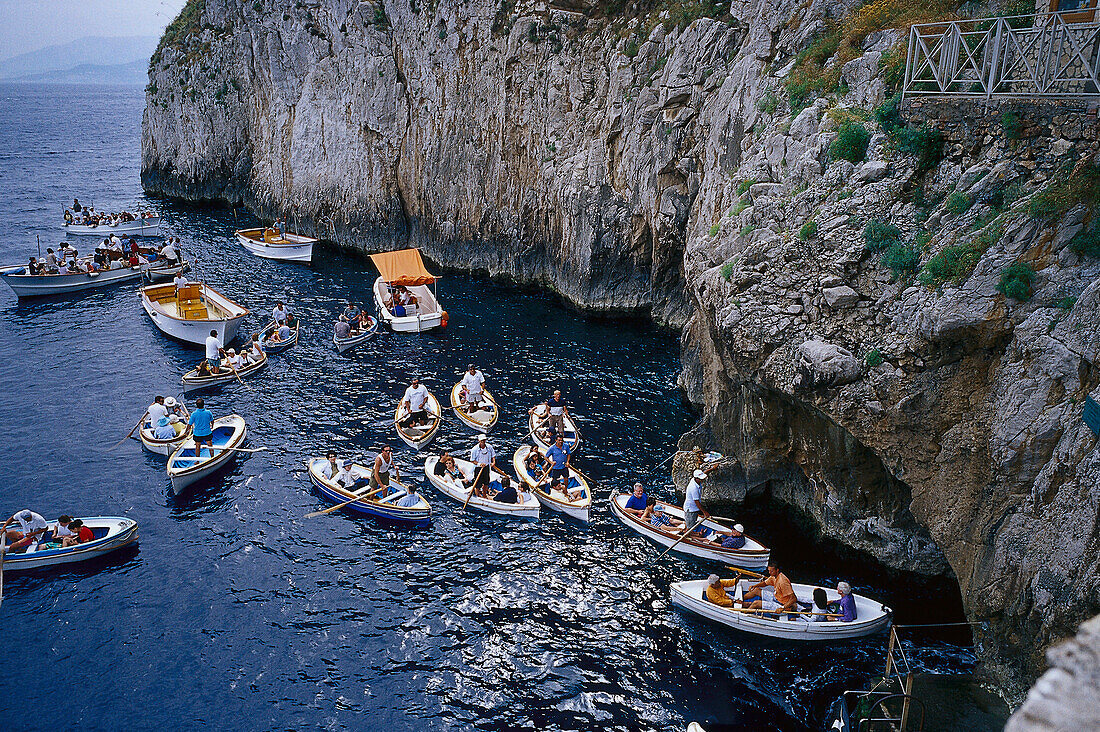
<point x="1028" y="56"/>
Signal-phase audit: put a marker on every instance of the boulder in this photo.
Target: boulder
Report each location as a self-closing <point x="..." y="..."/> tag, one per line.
<point x="840" y="297"/>
<point x="826" y="364"/>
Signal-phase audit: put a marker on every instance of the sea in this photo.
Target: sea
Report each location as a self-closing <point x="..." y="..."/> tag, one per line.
<point x="234" y="611"/>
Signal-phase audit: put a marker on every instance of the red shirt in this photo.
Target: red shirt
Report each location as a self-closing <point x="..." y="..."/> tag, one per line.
<point x="85" y="534"/>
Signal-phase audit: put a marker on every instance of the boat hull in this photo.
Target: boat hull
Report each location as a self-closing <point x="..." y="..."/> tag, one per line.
<point x="161" y="447"/>
<point x="419" y="516"/>
<point x="490" y="410"/>
<point x="193" y="331"/>
<point x="873" y="616"/>
<point x="428" y="320"/>
<point x="291" y="248"/>
<point x="193" y="382"/>
<point x="26" y="286"/>
<point x="529" y="509"/>
<point x="346" y="344"/>
<point x="414" y="441"/>
<point x="539" y="429"/>
<point x="140" y="227"/>
<point x="579" y="509"/>
<point x="753" y="556"/>
<point x="121" y="532"/>
<point x="284" y="345"/>
<point x="228" y="432"/>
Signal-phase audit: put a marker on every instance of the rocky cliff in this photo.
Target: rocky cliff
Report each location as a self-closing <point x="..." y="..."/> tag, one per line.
<point x="889" y="310"/>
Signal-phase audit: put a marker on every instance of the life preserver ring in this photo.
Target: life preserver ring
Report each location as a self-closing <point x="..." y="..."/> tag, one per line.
<point x="443" y="319"/>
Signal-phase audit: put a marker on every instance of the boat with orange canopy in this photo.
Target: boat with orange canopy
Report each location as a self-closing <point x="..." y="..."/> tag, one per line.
<point x="405" y="292"/>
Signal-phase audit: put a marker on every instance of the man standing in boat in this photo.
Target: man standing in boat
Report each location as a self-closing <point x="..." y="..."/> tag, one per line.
<point x="32" y="528"/>
<point x="214" y="352"/>
<point x="380" y="473"/>
<point x="484" y="458"/>
<point x="557" y="412"/>
<point x="473" y="383"/>
<point x="694" y="512"/>
<point x="279" y="314"/>
<point x="202" y="428"/>
<point x="415" y="403"/>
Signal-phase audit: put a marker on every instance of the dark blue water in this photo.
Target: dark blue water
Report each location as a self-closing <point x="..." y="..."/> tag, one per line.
<point x="234" y="611"/>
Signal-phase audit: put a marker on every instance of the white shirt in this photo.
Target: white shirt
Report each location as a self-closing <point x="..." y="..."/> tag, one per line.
<point x="60" y="532"/>
<point x="408" y="500"/>
<point x="36" y="523"/>
<point x="482" y="455"/>
<point x="156" y="411"/>
<point x="692" y="495"/>
<point x="179" y="281"/>
<point x="348" y="477"/>
<point x="417" y="397"/>
<point x="326" y="470"/>
<point x="212" y="346"/>
<point x="257" y="352"/>
<point x="169" y="252"/>
<point x="279" y="314"/>
<point x="236" y="361"/>
<point x="473" y="382"/>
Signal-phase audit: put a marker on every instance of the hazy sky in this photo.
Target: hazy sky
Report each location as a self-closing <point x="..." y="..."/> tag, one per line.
<point x="27" y="25"/>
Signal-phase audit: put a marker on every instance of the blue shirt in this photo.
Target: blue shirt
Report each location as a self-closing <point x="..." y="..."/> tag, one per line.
<point x="692" y="496"/>
<point x="848" y="609"/>
<point x="636" y="503"/>
<point x="202" y="422"/>
<point x="408" y="500"/>
<point x="733" y="542"/>
<point x="557" y="455"/>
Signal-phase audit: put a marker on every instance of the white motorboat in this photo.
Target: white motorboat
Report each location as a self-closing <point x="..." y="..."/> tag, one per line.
<point x="404" y="269"/>
<point x="450" y="487"/>
<point x="753" y="555"/>
<point x="143" y="225"/>
<point x="184" y="468"/>
<point x="871" y="616"/>
<point x="269" y="244"/>
<point x="191" y="312"/>
<point x="26" y="285"/>
<point x="576" y="505"/>
<point x="111" y="533"/>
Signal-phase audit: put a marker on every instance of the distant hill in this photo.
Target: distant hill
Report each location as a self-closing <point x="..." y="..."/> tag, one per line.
<point x="92" y="60"/>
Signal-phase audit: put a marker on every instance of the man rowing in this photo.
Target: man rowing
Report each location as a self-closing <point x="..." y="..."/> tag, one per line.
<point x="557" y="460"/>
<point x="380" y="472"/>
<point x="774" y="592"/>
<point x="213" y="351"/>
<point x="471" y="389"/>
<point x="415" y="405"/>
<point x="202" y="427"/>
<point x="32" y="528"/>
<point x="557" y="410"/>
<point x="694" y="513"/>
<point x="353" y="315"/>
<point x="157" y="410"/>
<point x="279" y="313"/>
<point x="484" y="458"/>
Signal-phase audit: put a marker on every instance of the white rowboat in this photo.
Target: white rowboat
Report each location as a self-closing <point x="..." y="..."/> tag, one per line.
<point x="191" y="313"/>
<point x="141" y="226"/>
<point x="184" y="469"/>
<point x="578" y="509"/>
<point x="269" y="244"/>
<point x="753" y="555"/>
<point x="346" y="344"/>
<point x="161" y="447"/>
<point x="111" y="533"/>
<point x="281" y="346"/>
<point x="385" y="509"/>
<point x="25" y="285"/>
<point x="418" y="437"/>
<point x="193" y="381"/>
<point x="446" y="484"/>
<point x="482" y="419"/>
<point x="872" y="616"/>
<point x="539" y="427"/>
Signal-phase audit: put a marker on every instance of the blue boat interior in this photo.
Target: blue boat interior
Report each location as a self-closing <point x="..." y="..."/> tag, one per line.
<point x="220" y="438"/>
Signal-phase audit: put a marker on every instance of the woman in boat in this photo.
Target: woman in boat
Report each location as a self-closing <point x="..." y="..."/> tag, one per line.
<point x="446" y="466"/>
<point x="81" y="534"/>
<point x="533" y="466"/>
<point x="820" y="611"/>
<point x="256" y="349"/>
<point x="234" y="360"/>
<point x="847" y="603"/>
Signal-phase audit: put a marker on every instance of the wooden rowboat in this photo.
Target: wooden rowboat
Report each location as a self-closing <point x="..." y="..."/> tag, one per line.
<point x="872" y="616"/>
<point x="281" y="346"/>
<point x="578" y="509"/>
<point x="111" y="533"/>
<point x="753" y="555"/>
<point x="345" y="344"/>
<point x="385" y="509"/>
<point x="161" y="447"/>
<point x="418" y="437"/>
<point x="539" y="427"/>
<point x="484" y="418"/>
<point x="269" y="244"/>
<point x="193" y="381"/>
<point x="184" y="468"/>
<point x="449" y="487"/>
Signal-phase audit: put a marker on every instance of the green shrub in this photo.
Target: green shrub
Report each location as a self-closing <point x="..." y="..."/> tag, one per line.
<point x="768" y="103"/>
<point x="1065" y="303"/>
<point x="873" y="358"/>
<point x="1012" y="124"/>
<point x="727" y="271"/>
<point x="809" y="75"/>
<point x="631" y="49"/>
<point x="902" y="260"/>
<point x="745" y="185"/>
<point x="892" y="65"/>
<point x="923" y="239"/>
<point x="808" y="231"/>
<point x="958" y="203"/>
<point x="850" y="143"/>
<point x="380" y="18"/>
<point x="879" y="235"/>
<point x="925" y="143"/>
<point x="1016" y="281"/>
<point x="747" y="229"/>
<point x="1082" y="185"/>
<point x="953" y="263"/>
<point x="443" y="33"/>
<point x="887" y="115"/>
<point x="1086" y="243"/>
<point x="738" y="208"/>
<point x="714" y="230"/>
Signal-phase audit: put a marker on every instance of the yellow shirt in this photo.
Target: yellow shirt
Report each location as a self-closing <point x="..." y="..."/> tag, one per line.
<point x="717" y="593"/>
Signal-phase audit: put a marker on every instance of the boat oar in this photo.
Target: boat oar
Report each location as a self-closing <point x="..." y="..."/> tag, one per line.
<point x="220" y="449"/>
<point x="746" y="572"/>
<point x="686" y="535"/>
<point x="338" y="506"/>
<point x="668" y="459"/>
<point x="539" y="423"/>
<point x="131" y="434"/>
<point x="471" y="494"/>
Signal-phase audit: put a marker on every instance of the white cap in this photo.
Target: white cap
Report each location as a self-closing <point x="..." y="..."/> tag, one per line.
<point x="713" y="579"/>
<point x="699" y="475"/>
<point x="483" y="436"/>
<point x="739" y="528"/>
<point x="170" y="402"/>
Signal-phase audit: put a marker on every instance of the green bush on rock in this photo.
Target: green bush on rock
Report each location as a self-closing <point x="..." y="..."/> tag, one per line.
<point x="1016" y="281"/>
<point x="850" y="143"/>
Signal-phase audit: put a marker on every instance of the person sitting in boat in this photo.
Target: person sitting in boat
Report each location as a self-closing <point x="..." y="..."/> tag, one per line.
<point x="636" y="504"/>
<point x="415" y="404"/>
<point x="533" y="465"/>
<point x="32" y="528"/>
<point x="732" y="539"/>
<point x="716" y="590"/>
<point x="350" y="478"/>
<point x="507" y="492"/>
<point x="557" y="460"/>
<point x="559" y="485"/>
<point x="410" y="499"/>
<point x="81" y="534"/>
<point x="343" y="328"/>
<point x="33" y="267"/>
<point x="470" y="392"/>
<point x="820" y="611"/>
<point x="133" y="260"/>
<point x="279" y="313"/>
<point x="157" y="409"/>
<point x="213" y="351"/>
<point x="63" y="267"/>
<point x="331" y="467"/>
<point x="202" y="428"/>
<point x="164" y="429"/>
<point x="116" y="244"/>
<point x="256" y="349"/>
<point x="404" y="302"/>
<point x="51" y="260"/>
<point x="847" y="603"/>
<point x="132" y="245"/>
<point x="61" y="530"/>
<point x="660" y="518"/>
<point x="774" y="592"/>
<point x="177" y="424"/>
<point x="445" y="466"/>
<point x="68" y="216"/>
<point x="353" y="315"/>
<point x="100" y="259"/>
<point x="380" y="471"/>
<point x="233" y="360"/>
<point x="484" y="458"/>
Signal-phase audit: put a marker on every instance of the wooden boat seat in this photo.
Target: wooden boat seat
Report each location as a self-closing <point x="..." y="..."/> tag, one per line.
<point x="189" y="303"/>
<point x="271" y="236"/>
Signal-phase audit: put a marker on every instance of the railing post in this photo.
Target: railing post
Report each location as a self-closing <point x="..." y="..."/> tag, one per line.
<point x="994" y="76"/>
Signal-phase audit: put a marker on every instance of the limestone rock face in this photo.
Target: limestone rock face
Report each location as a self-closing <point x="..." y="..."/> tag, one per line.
<point x="638" y="165"/>
<point x="1068" y="695"/>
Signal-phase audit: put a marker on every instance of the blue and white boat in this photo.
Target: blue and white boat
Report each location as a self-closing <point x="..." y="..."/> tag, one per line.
<point x="184" y="468"/>
<point x="385" y="509"/>
<point x="111" y="533"/>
